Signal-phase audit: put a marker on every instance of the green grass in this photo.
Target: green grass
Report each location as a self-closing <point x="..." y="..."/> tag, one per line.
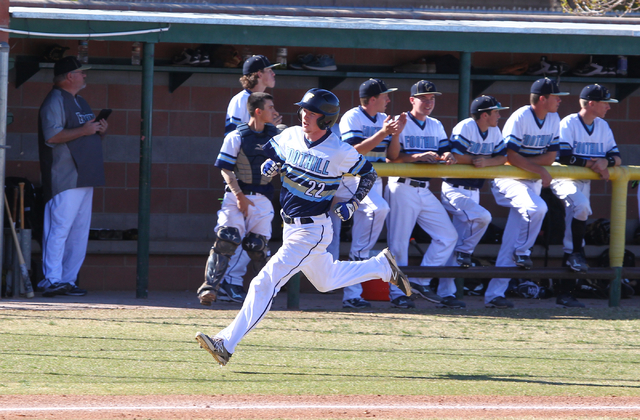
<point x="592" y="352"/>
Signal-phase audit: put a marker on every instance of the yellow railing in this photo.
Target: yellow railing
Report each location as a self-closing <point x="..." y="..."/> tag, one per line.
<point x="619" y="177"/>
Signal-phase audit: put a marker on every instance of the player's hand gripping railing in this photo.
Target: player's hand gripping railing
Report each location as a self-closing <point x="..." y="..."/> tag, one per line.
<point x="619" y="177"/>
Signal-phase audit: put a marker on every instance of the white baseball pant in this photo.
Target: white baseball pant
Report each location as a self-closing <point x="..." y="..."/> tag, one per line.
<point x="576" y="196"/>
<point x="526" y="213"/>
<point x="469" y="218"/>
<point x="258" y="221"/>
<point x="304" y="248"/>
<point x="417" y="204"/>
<point x="67" y="219"/>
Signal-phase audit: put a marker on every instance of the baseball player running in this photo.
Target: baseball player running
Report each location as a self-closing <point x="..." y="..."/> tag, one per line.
<point x="422" y="140"/>
<point x="257" y="76"/>
<point x="312" y="161"/>
<point x="246" y="213"/>
<point x="475" y="141"/>
<point x="531" y="135"/>
<point x="585" y="140"/>
<point x="375" y="135"/>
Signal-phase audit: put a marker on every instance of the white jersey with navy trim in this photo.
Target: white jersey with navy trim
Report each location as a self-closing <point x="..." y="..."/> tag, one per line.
<point x="525" y="134"/>
<point x="356" y="125"/>
<point x="579" y="140"/>
<point x="237" y="112"/>
<point x="423" y="136"/>
<point x="466" y="138"/>
<point x="311" y="171"/>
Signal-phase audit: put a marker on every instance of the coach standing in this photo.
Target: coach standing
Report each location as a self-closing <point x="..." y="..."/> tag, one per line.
<point x="71" y="163"/>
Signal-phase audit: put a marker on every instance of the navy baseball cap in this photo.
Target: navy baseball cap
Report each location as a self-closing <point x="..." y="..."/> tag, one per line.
<point x="424" y="87"/>
<point x="374" y="87"/>
<point x="67" y="64"/>
<point x="597" y="93"/>
<point x="256" y="63"/>
<point x="546" y="86"/>
<point x="486" y="103"/>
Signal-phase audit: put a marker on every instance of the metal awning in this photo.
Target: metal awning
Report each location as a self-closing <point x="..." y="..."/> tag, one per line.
<point x="342" y="32"/>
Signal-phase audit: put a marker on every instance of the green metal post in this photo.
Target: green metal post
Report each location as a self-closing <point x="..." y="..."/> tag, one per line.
<point x="615" y="288"/>
<point x="464" y="85"/>
<point x="144" y="185"/>
<point x="293" y="292"/>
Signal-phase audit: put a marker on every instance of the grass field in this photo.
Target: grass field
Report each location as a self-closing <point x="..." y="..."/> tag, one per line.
<point x="592" y="352"/>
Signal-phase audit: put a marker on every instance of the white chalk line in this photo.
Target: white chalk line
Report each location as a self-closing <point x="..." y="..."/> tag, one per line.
<point x="327" y="407"/>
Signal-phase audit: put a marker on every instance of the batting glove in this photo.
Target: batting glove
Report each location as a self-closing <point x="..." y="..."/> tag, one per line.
<point x="346" y="209"/>
<point x="269" y="168"/>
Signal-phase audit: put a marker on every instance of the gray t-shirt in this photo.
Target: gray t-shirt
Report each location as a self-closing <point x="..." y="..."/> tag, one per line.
<point x="75" y="164"/>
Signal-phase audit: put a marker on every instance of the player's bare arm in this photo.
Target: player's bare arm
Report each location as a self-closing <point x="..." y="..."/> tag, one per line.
<point x="533" y="164"/>
<point x="601" y="165"/>
<point x="89" y="128"/>
<point x="427" y="157"/>
<point x="243" y="202"/>
<point x="393" y="150"/>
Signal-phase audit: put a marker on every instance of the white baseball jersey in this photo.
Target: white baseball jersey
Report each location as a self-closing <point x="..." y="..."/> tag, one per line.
<point x="237" y="112"/>
<point x="527" y="135"/>
<point x="356" y="125"/>
<point x="311" y="171"/>
<point x="466" y="138"/>
<point x="578" y="139"/>
<point x="423" y="136"/>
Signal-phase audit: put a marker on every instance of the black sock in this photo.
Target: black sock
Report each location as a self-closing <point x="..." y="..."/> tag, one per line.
<point x="578" y="230"/>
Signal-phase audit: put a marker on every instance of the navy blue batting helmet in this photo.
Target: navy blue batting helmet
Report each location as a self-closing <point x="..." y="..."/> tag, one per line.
<point x="323" y="102"/>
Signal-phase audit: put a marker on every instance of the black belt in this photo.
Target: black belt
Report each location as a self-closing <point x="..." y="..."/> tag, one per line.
<point x="291" y="220"/>
<point x="413" y="183"/>
<point x="227" y="189"/>
<point x="464" y="187"/>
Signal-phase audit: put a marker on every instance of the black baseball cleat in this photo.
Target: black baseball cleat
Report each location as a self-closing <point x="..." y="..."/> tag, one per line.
<point x="523" y="261"/>
<point x="398" y="278"/>
<point x="231" y="293"/>
<point x="451" y="303"/>
<point x="57" y="289"/>
<point x="500" y="303"/>
<point x="463" y="259"/>
<point x="425" y="292"/>
<point x="577" y="262"/>
<point x="215" y="347"/>
<point x="403" y="302"/>
<point x="568" y="301"/>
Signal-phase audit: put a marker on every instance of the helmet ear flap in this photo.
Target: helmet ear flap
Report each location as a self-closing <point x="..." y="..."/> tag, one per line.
<point x="299" y="114"/>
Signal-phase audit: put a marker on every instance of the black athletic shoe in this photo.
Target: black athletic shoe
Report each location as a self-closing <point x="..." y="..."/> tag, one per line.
<point x="568" y="301"/>
<point x="56" y="289"/>
<point x="425" y="292"/>
<point x="403" y="302"/>
<point x="356" y="303"/>
<point x="500" y="303"/>
<point x="523" y="261"/>
<point x="231" y="293"/>
<point x="577" y="262"/>
<point x="451" y="303"/>
<point x="76" y="291"/>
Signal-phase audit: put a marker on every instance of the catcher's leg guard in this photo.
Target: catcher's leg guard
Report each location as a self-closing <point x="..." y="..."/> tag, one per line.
<point x="227" y="240"/>
<point x="256" y="247"/>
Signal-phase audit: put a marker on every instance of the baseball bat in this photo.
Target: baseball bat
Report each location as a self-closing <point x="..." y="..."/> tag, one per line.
<point x="21" y="185"/>
<point x="14" y="214"/>
<point x="24" y="273"/>
<point x="415" y="244"/>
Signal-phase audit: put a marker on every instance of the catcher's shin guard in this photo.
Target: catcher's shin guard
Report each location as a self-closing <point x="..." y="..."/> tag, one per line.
<point x="256" y="247"/>
<point x="227" y="240"/>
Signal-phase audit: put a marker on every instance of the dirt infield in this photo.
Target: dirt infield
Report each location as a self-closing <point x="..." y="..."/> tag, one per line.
<point x="312" y="407"/>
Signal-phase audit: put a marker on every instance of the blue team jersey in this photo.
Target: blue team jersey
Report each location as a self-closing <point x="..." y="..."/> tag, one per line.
<point x="311" y="171"/>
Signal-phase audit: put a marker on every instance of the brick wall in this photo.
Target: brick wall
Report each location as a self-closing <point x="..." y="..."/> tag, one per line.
<point x="187" y="134"/>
